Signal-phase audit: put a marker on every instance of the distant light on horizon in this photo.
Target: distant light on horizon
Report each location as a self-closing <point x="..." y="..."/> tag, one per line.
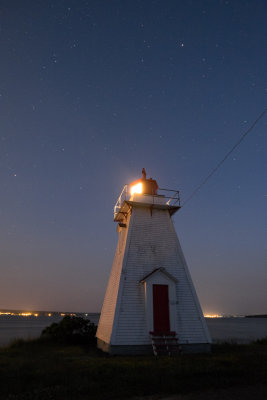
<point x="37" y="313"/>
<point x="20" y="314"/>
<point x="25" y="314"/>
<point x="213" y="316"/>
<point x="7" y="313"/>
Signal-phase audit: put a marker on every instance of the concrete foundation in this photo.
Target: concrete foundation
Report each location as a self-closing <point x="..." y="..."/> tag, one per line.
<point x="139" y="350"/>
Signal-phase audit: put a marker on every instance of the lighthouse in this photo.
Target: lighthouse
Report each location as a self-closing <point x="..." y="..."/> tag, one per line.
<point x="150" y="303"/>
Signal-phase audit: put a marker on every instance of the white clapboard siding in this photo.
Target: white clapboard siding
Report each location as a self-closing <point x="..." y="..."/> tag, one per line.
<point x="106" y="321"/>
<point x="149" y="242"/>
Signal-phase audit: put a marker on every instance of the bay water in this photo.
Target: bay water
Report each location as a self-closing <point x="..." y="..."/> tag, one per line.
<point x="239" y="330"/>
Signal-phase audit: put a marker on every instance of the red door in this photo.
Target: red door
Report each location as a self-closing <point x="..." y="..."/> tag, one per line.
<point x="161" y="308"/>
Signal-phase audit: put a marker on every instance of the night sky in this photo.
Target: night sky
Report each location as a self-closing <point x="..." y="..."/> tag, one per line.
<point x="93" y="91"/>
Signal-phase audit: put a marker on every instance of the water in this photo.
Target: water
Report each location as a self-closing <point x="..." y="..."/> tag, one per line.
<point x="240" y="330"/>
<point x="14" y="327"/>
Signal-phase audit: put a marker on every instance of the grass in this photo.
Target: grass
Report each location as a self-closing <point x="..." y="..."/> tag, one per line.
<point x="44" y="370"/>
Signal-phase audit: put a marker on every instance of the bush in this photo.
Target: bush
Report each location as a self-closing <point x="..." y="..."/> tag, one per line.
<point x="262" y="341"/>
<point x="71" y="330"/>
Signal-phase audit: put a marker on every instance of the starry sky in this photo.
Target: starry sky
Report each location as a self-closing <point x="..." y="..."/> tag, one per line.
<point x="93" y="91"/>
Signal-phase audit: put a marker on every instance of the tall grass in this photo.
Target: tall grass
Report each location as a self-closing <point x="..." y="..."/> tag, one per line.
<point x="43" y="369"/>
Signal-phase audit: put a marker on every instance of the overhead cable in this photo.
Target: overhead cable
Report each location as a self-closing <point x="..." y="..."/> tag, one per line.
<point x="225" y="157"/>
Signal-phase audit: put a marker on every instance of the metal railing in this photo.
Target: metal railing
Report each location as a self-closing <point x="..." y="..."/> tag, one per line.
<point x="172" y="197"/>
<point x="122" y="197"/>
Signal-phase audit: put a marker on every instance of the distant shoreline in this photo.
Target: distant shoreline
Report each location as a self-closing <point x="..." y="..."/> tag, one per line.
<point x="27" y="313"/>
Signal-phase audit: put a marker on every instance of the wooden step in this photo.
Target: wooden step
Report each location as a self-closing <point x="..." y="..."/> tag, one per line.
<point x="165" y="343"/>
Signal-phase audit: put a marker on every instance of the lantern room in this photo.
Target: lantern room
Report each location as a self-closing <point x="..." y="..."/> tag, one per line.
<point x="145" y="192"/>
<point x="144" y="185"/>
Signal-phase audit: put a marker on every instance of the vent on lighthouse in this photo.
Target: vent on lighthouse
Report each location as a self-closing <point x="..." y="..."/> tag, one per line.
<point x="150" y="303"/>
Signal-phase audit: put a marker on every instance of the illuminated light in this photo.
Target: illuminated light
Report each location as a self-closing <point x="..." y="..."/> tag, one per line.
<point x="36" y="315"/>
<point x="49" y="315"/>
<point x="138" y="188"/>
<point x="62" y="314"/>
<point x="213" y="316"/>
<point x="25" y="314"/>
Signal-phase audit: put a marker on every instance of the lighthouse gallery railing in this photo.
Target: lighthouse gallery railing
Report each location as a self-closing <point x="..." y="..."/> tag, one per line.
<point x="172" y="197"/>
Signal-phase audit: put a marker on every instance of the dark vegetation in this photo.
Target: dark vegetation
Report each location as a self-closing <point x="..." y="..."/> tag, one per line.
<point x="71" y="330"/>
<point x="52" y="367"/>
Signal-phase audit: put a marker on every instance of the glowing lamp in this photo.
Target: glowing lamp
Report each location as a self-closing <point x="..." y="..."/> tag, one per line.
<point x="144" y="186"/>
<point x="137" y="188"/>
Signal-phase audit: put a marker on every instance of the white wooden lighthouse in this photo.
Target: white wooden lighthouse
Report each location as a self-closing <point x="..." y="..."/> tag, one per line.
<point x="150" y="302"/>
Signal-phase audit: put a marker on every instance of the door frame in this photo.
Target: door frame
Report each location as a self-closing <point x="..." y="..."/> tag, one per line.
<point x="160" y="278"/>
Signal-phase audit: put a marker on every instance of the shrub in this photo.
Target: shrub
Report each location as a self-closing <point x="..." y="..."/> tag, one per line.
<point x="71" y="330"/>
<point x="262" y="341"/>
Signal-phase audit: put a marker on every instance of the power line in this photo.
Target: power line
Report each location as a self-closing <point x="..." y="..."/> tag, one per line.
<point x="225" y="157"/>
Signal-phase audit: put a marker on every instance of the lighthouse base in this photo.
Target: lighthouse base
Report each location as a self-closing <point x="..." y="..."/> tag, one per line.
<point x="125" y="350"/>
<point x="140" y="350"/>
